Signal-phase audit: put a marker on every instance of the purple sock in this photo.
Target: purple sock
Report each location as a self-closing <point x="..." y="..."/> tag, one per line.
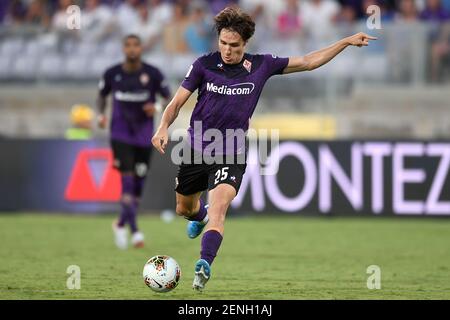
<point x="132" y="217"/>
<point x="201" y="214"/>
<point x="138" y="186"/>
<point x="128" y="213"/>
<point x="210" y="245"/>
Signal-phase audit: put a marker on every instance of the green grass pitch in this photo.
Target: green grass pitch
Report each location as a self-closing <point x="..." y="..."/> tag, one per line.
<point x="260" y="258"/>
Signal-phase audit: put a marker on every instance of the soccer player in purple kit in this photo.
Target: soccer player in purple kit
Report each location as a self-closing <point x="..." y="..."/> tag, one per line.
<point x="134" y="86"/>
<point x="229" y="84"/>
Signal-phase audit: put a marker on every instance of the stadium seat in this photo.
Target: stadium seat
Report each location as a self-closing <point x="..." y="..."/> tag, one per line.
<point x="346" y="66"/>
<point x="86" y="48"/>
<point x="180" y="64"/>
<point x="375" y="67"/>
<point x="24" y="67"/>
<point x="156" y="59"/>
<point x="69" y="46"/>
<point x="50" y="67"/>
<point x="111" y="48"/>
<point x="5" y="66"/>
<point x="11" y="46"/>
<point x="75" y="67"/>
<point x="33" y="47"/>
<point x="98" y="65"/>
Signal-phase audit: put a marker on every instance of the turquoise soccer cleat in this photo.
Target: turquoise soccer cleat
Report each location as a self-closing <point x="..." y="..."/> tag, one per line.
<point x="202" y="274"/>
<point x="194" y="229"/>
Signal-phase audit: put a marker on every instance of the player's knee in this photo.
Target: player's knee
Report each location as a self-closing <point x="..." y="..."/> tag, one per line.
<point x="127" y="198"/>
<point x="183" y="210"/>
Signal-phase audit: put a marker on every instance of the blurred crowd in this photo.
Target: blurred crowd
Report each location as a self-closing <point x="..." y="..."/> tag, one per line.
<point x="184" y="26"/>
<point x="189" y="21"/>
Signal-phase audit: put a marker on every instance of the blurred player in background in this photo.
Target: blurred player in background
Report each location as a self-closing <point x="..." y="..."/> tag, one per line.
<point x="229" y="83"/>
<point x="134" y="86"/>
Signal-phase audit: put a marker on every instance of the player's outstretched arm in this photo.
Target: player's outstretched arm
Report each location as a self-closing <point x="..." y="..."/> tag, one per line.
<point x="318" y="58"/>
<point x="171" y="112"/>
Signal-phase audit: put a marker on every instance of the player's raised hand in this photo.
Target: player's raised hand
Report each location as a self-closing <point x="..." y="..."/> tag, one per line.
<point x="360" y="39"/>
<point x="149" y="109"/>
<point x="160" y="139"/>
<point x="102" y="121"/>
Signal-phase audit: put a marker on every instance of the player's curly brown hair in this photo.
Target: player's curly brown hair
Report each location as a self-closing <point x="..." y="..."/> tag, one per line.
<point x="234" y="19"/>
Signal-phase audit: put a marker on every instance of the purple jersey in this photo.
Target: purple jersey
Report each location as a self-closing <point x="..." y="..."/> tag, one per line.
<point x="227" y="96"/>
<point x="131" y="91"/>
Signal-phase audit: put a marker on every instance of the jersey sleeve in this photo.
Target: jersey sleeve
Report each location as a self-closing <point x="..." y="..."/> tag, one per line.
<point x="104" y="85"/>
<point x="162" y="86"/>
<point x="194" y="77"/>
<point x="275" y="65"/>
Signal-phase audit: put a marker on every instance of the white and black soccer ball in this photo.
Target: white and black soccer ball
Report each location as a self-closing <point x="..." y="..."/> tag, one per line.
<point x="161" y="273"/>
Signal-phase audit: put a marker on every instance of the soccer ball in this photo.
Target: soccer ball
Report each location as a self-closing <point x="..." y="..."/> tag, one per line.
<point x="161" y="273"/>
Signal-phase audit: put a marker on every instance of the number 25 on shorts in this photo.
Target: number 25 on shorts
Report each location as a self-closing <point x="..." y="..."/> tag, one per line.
<point x="221" y="175"/>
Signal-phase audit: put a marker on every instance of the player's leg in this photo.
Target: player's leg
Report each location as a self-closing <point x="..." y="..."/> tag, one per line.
<point x="123" y="161"/>
<point x="193" y="208"/>
<point x="219" y="200"/>
<point x="224" y="183"/>
<point x="141" y="166"/>
<point x="189" y="206"/>
<point x="191" y="181"/>
<point x="127" y="203"/>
